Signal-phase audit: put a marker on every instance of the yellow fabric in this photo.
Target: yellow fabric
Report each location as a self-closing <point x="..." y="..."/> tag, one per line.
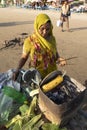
<point x="42" y="53"/>
<point x="40" y="20"/>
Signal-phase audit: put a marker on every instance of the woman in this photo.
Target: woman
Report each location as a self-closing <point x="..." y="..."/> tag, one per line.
<point x="65" y="13"/>
<point x="40" y="48"/>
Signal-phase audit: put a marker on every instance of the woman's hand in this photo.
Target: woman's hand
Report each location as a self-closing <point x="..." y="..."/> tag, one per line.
<point x="61" y="61"/>
<point x="20" y="65"/>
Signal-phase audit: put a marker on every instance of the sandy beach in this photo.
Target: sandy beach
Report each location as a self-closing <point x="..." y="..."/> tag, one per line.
<point x="15" y="21"/>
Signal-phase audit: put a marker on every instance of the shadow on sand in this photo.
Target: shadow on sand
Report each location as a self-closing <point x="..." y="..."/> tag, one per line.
<point x="77" y="29"/>
<point x="15" y="23"/>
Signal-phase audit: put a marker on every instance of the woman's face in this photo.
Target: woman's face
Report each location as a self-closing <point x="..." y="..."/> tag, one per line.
<point x="45" y="29"/>
<point x="65" y="2"/>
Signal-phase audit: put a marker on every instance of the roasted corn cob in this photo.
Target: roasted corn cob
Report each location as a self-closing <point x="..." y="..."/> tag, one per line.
<point x="52" y="84"/>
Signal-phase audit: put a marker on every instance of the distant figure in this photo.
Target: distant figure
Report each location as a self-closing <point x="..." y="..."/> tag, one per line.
<point x="65" y="13"/>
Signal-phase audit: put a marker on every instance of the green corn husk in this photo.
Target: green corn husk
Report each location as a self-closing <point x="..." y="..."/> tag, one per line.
<point x="18" y="125"/>
<point x="13" y="121"/>
<point x="32" y="122"/>
<point x="27" y="119"/>
<point x="50" y="126"/>
<point x="38" y="125"/>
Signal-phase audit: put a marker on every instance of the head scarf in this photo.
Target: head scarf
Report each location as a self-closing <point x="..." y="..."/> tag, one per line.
<point x="40" y="20"/>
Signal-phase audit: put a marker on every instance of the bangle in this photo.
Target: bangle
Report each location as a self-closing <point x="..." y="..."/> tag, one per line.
<point x="16" y="70"/>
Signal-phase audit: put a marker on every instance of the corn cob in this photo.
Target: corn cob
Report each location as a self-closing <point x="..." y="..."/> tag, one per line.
<point x="55" y="82"/>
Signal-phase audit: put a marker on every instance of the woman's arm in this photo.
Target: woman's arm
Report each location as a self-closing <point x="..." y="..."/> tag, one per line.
<point x="68" y="8"/>
<point x="21" y="63"/>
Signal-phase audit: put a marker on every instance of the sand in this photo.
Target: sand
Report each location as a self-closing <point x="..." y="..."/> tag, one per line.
<point x="14" y="21"/>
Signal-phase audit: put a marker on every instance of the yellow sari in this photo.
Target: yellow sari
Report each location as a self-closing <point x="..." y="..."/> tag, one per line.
<point x="41" y="51"/>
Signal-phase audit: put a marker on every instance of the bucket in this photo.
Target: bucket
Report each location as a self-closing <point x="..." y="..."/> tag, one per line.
<point x="60" y="113"/>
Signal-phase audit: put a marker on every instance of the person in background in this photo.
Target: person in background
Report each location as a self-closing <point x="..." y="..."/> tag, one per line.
<point x="40" y="48"/>
<point x="65" y="13"/>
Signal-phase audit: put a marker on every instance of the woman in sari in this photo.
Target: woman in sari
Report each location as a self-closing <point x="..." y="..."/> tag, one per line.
<point x="40" y="48"/>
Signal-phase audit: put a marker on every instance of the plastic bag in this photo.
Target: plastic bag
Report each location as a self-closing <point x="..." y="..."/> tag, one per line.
<point x="59" y="23"/>
<point x="6" y="102"/>
<point x="10" y="100"/>
<point x="6" y="80"/>
<point x="5" y="107"/>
